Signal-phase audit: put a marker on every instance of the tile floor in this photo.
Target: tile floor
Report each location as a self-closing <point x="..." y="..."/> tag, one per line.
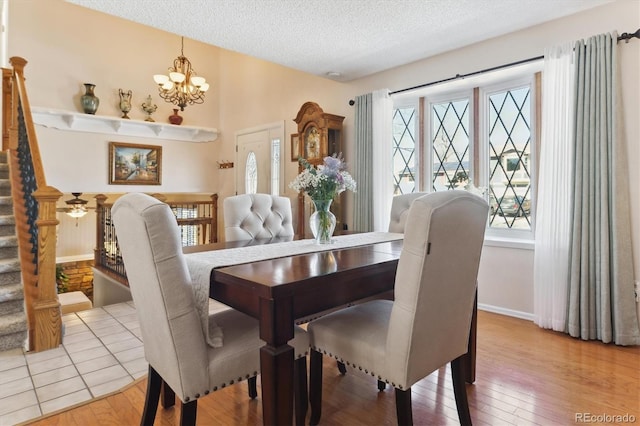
<point x="101" y="353"/>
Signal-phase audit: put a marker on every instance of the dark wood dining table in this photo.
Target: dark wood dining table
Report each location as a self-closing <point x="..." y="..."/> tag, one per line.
<point x="279" y="291"/>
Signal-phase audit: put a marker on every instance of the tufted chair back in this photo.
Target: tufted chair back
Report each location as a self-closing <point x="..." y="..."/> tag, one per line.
<point x="400" y="210"/>
<point x="174" y="344"/>
<point x="250" y="216"/>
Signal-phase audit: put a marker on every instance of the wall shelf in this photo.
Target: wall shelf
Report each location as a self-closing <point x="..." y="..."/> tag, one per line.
<point x="79" y="122"/>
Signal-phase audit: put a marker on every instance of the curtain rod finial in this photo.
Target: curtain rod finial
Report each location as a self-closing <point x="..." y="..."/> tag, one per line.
<point x="352" y="102"/>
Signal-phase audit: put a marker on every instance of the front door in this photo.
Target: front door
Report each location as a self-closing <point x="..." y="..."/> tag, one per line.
<point x="258" y="167"/>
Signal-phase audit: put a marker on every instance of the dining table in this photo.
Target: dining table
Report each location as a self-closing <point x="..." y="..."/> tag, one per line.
<point x="281" y="291"/>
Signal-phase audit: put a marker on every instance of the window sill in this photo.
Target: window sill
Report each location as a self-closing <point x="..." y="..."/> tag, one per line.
<point x="516" y="243"/>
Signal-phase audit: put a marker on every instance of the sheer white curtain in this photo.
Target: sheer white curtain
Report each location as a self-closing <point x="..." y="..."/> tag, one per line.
<point x="554" y="215"/>
<point x="382" y="161"/>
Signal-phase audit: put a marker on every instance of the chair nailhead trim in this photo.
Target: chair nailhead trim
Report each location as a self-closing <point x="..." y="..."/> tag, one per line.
<point x="206" y="392"/>
<point x="197" y="395"/>
<point x="187" y="399"/>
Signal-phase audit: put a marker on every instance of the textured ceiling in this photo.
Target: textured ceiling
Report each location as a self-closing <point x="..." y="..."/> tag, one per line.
<point x="354" y="38"/>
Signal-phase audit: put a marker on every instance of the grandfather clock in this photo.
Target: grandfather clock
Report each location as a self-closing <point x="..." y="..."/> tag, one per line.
<point x="320" y="135"/>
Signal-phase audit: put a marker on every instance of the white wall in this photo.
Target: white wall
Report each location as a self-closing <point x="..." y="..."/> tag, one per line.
<point x="506" y="275"/>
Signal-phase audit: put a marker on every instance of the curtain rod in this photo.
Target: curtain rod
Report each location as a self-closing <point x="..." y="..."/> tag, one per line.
<point x="623" y="36"/>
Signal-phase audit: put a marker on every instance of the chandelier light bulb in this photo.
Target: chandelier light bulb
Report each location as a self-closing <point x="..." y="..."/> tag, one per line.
<point x="204" y="87"/>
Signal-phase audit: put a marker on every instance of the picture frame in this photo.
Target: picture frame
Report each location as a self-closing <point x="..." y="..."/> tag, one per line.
<point x="134" y="164"/>
<point x="295" y="146"/>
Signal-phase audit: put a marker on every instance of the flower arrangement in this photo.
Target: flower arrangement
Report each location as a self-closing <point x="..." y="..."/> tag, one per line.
<point x="322" y="184"/>
<point x="325" y="181"/>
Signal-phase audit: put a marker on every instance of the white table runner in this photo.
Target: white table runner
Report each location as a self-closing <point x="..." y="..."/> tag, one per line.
<point x="201" y="264"/>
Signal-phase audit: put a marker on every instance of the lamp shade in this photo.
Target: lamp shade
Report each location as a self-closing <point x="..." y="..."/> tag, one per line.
<point x="160" y="79"/>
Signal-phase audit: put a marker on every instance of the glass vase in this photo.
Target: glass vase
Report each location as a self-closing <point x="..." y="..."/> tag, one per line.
<point x="322" y="222"/>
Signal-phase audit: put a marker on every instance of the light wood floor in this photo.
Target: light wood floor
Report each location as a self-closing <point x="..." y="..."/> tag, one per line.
<point x="525" y="375"/>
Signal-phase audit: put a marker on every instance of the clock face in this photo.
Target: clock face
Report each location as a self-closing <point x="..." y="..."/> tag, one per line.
<point x="312" y="144"/>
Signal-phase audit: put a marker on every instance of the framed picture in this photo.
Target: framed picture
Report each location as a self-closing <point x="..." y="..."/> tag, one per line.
<point x="295" y="146"/>
<point x="133" y="164"/>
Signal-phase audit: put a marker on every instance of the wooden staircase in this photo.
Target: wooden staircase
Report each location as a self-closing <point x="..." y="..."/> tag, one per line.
<point x="13" y="318"/>
<point x="29" y="308"/>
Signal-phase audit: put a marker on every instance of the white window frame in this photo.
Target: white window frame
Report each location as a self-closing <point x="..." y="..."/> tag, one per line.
<point x="483" y="143"/>
<point x="428" y="103"/>
<point x="508" y="238"/>
<point x="415" y="104"/>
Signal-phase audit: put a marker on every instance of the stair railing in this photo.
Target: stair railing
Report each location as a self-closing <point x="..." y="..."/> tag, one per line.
<point x="197" y="220"/>
<point x="34" y="204"/>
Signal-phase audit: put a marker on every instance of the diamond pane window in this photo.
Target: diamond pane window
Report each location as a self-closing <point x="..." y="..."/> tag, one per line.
<point x="510" y="158"/>
<point x="404" y="150"/>
<point x="450" y="142"/>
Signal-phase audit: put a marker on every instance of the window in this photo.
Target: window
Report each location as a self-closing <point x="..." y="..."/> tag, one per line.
<point x="404" y="150"/>
<point x="479" y="132"/>
<point x="275" y="166"/>
<point x="449" y="142"/>
<point x="251" y="174"/>
<point x="507" y="116"/>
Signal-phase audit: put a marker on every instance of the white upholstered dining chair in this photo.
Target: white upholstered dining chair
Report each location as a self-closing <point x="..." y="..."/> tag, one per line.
<point x="400" y="210"/>
<point x="427" y="325"/>
<point x="261" y="216"/>
<point x="175" y="344"/>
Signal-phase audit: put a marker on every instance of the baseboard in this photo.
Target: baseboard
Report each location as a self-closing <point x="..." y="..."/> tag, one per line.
<point x="504" y="311"/>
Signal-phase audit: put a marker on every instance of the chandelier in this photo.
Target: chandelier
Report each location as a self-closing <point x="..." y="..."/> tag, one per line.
<point x="182" y="86"/>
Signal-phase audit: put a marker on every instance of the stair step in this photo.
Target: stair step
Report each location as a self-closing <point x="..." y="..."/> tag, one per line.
<point x="9" y="265"/>
<point x="3" y="157"/>
<point x="9" y="278"/>
<point x="12" y="307"/>
<point x="8" y="249"/>
<point x="8" y="220"/>
<point x="5" y="187"/>
<point x="13" y="323"/>
<point x="6" y="209"/>
<point x="10" y="293"/>
<point x="6" y="230"/>
<point x="8" y="241"/>
<point x="13" y="340"/>
<point x="10" y="325"/>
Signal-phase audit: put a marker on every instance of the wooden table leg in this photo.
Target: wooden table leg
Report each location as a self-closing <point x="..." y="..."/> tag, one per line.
<point x="276" y="362"/>
<point x="469" y="359"/>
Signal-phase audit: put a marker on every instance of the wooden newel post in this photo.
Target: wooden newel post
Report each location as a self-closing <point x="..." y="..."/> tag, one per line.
<point x="48" y="330"/>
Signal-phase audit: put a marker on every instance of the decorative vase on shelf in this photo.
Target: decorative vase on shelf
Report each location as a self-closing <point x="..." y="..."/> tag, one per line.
<point x="149" y="107"/>
<point x="89" y="100"/>
<point x="175" y="118"/>
<point x="322" y="222"/>
<point x="125" y="102"/>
